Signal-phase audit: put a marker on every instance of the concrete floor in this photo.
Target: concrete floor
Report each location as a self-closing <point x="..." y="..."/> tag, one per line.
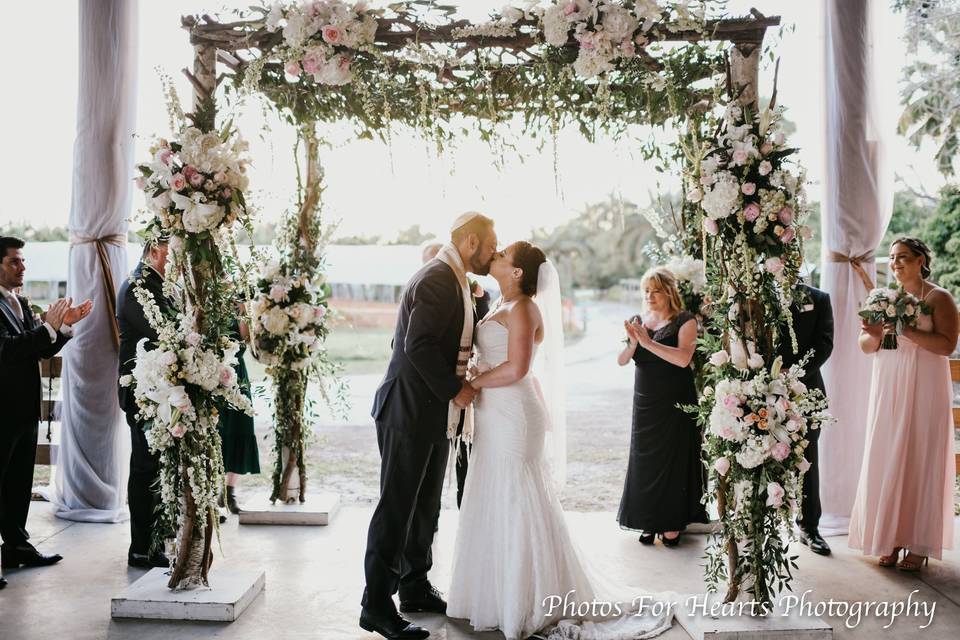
<point x="314" y="581"/>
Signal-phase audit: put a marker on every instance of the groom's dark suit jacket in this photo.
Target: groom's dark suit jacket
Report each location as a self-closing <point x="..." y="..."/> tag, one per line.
<point x="422" y="376"/>
<point x="814" y="329"/>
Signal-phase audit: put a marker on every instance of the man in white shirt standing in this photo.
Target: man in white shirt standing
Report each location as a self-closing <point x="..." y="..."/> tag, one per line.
<point x="24" y="341"/>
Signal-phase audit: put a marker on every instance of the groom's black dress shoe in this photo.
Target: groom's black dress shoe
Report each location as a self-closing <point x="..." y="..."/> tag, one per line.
<point x="815" y="541"/>
<point x="391" y="626"/>
<point x="144" y="561"/>
<point x="25" y="555"/>
<point x="3" y="583"/>
<point x="426" y="600"/>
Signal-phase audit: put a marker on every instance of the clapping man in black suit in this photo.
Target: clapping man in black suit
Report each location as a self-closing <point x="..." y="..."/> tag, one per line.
<point x="415" y="408"/>
<point x="813" y="326"/>
<point x="24" y="341"/>
<point x="143" y="494"/>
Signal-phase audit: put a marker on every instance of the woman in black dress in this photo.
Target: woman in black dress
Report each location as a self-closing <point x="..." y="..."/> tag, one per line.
<point x="665" y="477"/>
<point x="238" y="439"/>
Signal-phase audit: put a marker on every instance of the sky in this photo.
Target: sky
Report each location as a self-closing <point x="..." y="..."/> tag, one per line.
<point x="373" y="188"/>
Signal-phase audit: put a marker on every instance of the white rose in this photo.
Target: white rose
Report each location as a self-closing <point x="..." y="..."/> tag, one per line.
<point x="275" y="321"/>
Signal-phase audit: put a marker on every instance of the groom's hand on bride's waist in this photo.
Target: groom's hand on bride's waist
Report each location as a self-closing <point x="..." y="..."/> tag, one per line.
<point x="466" y="395"/>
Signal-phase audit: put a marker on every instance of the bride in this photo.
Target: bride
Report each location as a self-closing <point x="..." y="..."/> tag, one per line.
<point x="514" y="562"/>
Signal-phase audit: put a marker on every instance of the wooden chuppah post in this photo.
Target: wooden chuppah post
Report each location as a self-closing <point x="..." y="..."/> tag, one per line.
<point x="744" y="76"/>
<point x="194" y="548"/>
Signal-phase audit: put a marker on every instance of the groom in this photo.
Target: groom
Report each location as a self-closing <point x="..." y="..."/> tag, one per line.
<point x="417" y="407"/>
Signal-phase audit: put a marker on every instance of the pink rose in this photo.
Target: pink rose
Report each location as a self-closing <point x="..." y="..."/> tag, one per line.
<point x="570" y="9"/>
<point x="788" y="235"/>
<point x="803" y="465"/>
<point x="227" y="376"/>
<point x="785" y="216"/>
<point x="740" y="157"/>
<point x="774" y="266"/>
<point x="627" y="49"/>
<point x="774" y="494"/>
<point x="751" y="212"/>
<point x="710" y="226"/>
<point x="178" y="430"/>
<point x="748" y="188"/>
<point x="721" y="465"/>
<point x="293" y="68"/>
<point x="766" y="148"/>
<point x="331" y="34"/>
<point x="188" y="171"/>
<point x="196" y="179"/>
<point x="313" y="61"/>
<point x="780" y="451"/>
<point x="165" y="155"/>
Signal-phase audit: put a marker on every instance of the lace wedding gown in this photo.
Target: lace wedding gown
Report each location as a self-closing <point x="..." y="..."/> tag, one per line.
<point x="513" y="549"/>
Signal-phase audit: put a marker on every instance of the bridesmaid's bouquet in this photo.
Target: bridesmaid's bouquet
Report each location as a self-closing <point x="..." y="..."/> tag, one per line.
<point x="895" y="306"/>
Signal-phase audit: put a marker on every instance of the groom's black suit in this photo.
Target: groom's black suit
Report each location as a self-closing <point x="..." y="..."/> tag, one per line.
<point x="410" y="409"/>
<point x="813" y="325"/>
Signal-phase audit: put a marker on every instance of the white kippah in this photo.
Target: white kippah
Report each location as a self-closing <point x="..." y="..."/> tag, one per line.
<point x="463" y="219"/>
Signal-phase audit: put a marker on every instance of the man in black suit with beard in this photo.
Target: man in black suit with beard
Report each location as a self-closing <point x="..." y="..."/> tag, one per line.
<point x="813" y="325"/>
<point x="24" y="341"/>
<point x="142" y="493"/>
<point x="412" y="410"/>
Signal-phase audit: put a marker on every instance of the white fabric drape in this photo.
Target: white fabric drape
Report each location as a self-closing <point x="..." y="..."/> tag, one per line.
<point x="95" y="443"/>
<point x="857" y="204"/>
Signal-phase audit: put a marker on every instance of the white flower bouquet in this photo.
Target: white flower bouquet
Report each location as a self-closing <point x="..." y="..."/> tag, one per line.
<point x="895" y="306"/>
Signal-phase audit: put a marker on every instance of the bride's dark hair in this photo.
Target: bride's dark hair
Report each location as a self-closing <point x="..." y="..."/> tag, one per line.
<point x="528" y="258"/>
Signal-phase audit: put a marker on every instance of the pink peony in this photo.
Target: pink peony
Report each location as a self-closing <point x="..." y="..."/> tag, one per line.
<point x="803" y="465"/>
<point x="780" y="451"/>
<point x="751" y="212"/>
<point x="332" y="34"/>
<point x="785" y="216"/>
<point x="748" y="188"/>
<point x="788" y="235"/>
<point x="774" y="494"/>
<point x="710" y="226"/>
<point x="774" y="266"/>
<point x="721" y="465"/>
<point x="293" y="68"/>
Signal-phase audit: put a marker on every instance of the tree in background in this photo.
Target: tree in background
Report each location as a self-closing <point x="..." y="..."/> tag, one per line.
<point x="412" y="235"/>
<point x="942" y="233"/>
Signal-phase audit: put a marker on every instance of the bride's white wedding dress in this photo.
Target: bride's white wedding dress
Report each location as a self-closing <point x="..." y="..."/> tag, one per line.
<point x="513" y="548"/>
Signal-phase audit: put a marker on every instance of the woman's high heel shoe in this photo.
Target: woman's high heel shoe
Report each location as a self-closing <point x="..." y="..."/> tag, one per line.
<point x="912" y="565"/>
<point x="648" y="538"/>
<point x="891" y="560"/>
<point x="670" y="542"/>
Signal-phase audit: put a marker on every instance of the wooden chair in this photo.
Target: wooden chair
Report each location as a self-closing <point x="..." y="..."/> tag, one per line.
<point x="48" y="441"/>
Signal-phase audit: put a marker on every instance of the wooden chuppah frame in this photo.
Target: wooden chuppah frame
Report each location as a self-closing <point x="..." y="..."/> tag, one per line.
<point x="215" y="42"/>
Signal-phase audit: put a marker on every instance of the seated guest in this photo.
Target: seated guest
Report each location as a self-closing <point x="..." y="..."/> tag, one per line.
<point x="24" y="341"/>
<point x="812" y="318"/>
<point x="143" y="493"/>
<point x="665" y="477"/>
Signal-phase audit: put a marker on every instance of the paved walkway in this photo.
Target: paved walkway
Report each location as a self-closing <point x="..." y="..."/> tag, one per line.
<point x="314" y="580"/>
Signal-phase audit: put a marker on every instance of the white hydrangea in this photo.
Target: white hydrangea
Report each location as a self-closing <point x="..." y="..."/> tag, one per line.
<point x="723" y="197"/>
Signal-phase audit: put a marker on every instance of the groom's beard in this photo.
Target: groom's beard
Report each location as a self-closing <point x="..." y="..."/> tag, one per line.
<point x="479" y="268"/>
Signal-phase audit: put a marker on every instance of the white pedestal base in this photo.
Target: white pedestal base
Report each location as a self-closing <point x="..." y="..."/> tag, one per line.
<point x="318" y="510"/>
<point x="232" y="592"/>
<point x="728" y="625"/>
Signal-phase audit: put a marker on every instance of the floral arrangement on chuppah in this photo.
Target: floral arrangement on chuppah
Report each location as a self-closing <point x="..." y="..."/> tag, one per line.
<point x="194" y="189"/>
<point x="290" y="323"/>
<point x="751" y="204"/>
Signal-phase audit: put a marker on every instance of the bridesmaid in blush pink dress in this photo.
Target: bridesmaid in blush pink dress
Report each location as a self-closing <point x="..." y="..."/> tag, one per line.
<point x="905" y="496"/>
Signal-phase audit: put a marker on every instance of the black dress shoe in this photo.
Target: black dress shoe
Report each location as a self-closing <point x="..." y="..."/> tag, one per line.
<point x="3" y="583"/>
<point x="426" y="600"/>
<point x="815" y="541"/>
<point x="391" y="626"/>
<point x="25" y="555"/>
<point x="144" y="561"/>
<point x="670" y="542"/>
<point x="648" y="538"/>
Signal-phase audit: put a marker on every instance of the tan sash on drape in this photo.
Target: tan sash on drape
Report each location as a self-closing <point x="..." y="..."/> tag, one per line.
<point x="106" y="275"/>
<point x="856" y="263"/>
